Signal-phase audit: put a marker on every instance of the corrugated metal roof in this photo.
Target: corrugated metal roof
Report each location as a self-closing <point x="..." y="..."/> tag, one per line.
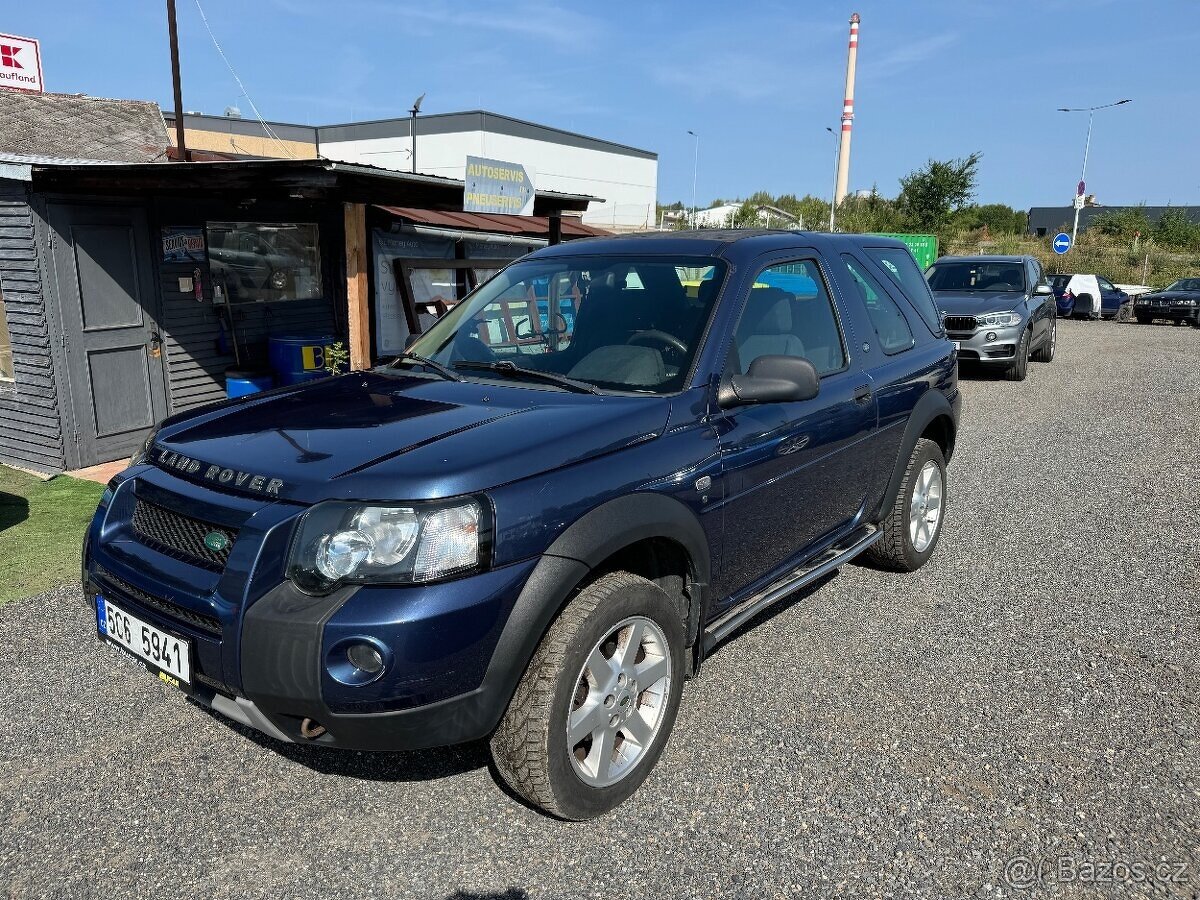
<point x="58" y="127"/>
<point x="496" y="223"/>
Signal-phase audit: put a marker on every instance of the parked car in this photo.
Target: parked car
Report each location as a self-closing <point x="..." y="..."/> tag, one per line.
<point x="999" y="310"/>
<point x="478" y="542"/>
<point x="1178" y="303"/>
<point x="1112" y="298"/>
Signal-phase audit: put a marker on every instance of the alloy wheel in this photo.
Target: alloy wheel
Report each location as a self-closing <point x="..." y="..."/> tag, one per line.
<point x="620" y="701"/>
<point x="925" y="508"/>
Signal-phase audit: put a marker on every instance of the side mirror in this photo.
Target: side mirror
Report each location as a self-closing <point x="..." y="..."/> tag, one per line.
<point x="1042" y="290"/>
<point x="771" y="379"/>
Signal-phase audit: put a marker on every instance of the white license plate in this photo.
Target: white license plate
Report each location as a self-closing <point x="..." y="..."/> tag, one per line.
<point x="956" y="344"/>
<point x="163" y="652"/>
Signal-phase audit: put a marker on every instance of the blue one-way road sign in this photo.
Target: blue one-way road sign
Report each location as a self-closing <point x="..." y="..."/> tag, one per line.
<point x="1062" y="242"/>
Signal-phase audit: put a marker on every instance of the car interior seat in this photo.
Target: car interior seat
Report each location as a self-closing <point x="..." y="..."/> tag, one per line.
<point x="766" y="328"/>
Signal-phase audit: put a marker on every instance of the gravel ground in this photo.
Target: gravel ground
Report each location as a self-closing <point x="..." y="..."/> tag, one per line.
<point x="1030" y="694"/>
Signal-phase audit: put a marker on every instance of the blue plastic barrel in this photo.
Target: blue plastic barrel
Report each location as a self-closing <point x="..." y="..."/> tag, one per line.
<point x="299" y="357"/>
<point x="240" y="382"/>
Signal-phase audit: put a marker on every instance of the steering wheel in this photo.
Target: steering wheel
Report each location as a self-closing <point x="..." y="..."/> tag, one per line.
<point x="667" y="340"/>
<point x="528" y="323"/>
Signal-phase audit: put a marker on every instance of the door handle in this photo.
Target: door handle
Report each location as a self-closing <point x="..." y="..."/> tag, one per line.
<point x="155" y="345"/>
<point x="155" y="339"/>
<point x="862" y="394"/>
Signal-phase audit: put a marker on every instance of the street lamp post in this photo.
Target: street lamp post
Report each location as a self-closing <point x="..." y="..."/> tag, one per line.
<point x="1091" y="111"/>
<point x="695" y="172"/>
<point x="837" y="146"/>
<point x="412" y="129"/>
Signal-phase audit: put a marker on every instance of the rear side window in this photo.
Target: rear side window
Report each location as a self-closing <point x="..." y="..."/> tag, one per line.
<point x="889" y="322"/>
<point x="902" y="269"/>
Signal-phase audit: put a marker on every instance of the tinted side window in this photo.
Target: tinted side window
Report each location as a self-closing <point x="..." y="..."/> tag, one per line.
<point x="886" y="317"/>
<point x="789" y="313"/>
<point x="902" y="268"/>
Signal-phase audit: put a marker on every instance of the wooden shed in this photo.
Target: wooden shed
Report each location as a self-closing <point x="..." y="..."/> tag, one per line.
<point x="128" y="289"/>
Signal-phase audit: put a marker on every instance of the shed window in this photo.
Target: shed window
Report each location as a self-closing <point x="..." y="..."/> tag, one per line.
<point x="6" y="358"/>
<point x="258" y="262"/>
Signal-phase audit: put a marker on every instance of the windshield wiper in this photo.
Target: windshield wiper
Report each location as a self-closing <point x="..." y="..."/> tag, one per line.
<point x="505" y="367"/>
<point x="448" y="374"/>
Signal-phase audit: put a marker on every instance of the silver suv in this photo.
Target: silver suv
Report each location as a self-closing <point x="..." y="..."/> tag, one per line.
<point x="998" y="310"/>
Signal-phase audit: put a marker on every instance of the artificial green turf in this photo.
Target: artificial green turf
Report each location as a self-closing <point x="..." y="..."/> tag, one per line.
<point x="42" y="524"/>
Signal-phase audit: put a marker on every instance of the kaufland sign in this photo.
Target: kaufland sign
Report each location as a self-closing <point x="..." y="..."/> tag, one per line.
<point x="20" y="63"/>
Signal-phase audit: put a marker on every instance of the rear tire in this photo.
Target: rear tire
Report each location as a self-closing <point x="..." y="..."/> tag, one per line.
<point x="910" y="535"/>
<point x="1045" y="353"/>
<point x="1020" y="365"/>
<point x="588" y="675"/>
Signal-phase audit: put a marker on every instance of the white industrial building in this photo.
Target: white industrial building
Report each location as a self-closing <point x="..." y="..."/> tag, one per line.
<point x="556" y="160"/>
<point x="625" y="178"/>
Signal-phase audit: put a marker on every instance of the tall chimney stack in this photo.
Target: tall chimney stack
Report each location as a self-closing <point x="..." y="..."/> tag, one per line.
<point x="843" y="166"/>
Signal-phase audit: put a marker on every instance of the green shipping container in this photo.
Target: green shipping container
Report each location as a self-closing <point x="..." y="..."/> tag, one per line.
<point x="923" y="246"/>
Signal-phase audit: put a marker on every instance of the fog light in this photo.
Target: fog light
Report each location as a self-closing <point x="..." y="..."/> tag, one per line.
<point x="365" y="658"/>
<point x="991" y="336"/>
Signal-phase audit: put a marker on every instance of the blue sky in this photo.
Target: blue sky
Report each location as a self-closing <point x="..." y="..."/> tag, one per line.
<point x="759" y="81"/>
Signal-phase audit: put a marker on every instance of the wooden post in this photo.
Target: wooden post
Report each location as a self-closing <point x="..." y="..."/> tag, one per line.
<point x="357" y="302"/>
<point x="555" y="228"/>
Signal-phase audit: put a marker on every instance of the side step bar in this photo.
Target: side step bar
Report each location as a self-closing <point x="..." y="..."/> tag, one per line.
<point x="835" y="556"/>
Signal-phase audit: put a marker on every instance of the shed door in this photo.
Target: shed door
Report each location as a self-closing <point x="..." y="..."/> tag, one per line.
<point x="109" y="312"/>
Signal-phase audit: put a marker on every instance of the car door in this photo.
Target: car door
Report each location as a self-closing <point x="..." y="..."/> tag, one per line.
<point x="1041" y="307"/>
<point x="1110" y="297"/>
<point x="794" y="477"/>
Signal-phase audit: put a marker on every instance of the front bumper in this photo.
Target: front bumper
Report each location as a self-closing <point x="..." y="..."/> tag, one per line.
<point x="988" y="346"/>
<point x="1171" y="313"/>
<point x="271" y="657"/>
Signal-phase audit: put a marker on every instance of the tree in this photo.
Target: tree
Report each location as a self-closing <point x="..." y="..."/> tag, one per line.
<point x="1123" y="223"/>
<point x="929" y="195"/>
<point x="998" y="218"/>
<point x="1175" y="229"/>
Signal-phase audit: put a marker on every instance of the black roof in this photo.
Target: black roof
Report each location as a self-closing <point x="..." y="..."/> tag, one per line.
<point x="1059" y="218"/>
<point x="718" y="242"/>
<point x="309" y="179"/>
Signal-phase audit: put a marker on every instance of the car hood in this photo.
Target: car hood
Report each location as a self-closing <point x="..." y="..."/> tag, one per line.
<point x="1171" y="295"/>
<point x="374" y="436"/>
<point x="953" y="303"/>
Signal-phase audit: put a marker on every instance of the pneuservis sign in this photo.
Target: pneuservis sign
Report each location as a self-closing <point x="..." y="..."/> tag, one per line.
<point x="20" y="64"/>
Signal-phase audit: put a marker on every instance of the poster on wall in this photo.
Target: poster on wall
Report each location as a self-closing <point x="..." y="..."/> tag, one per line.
<point x="182" y="244"/>
<point x="391" y="326"/>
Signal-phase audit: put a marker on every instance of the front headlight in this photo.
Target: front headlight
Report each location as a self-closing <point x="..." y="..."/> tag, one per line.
<point x="999" y="320"/>
<point x="142" y="452"/>
<point x="339" y="543"/>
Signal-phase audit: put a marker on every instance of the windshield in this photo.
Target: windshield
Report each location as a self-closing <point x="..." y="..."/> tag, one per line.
<point x="617" y="323"/>
<point x="1186" y="284"/>
<point x="981" y="277"/>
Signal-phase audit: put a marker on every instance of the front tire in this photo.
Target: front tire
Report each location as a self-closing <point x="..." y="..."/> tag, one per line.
<point x="1144" y="320"/>
<point x="597" y="703"/>
<point x="1045" y="353"/>
<point x="913" y="525"/>
<point x="1020" y="365"/>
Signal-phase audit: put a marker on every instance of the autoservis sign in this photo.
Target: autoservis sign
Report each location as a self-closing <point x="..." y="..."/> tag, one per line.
<point x="20" y="63"/>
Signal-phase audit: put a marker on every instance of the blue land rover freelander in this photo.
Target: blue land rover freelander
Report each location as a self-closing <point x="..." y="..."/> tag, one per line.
<point x="532" y="528"/>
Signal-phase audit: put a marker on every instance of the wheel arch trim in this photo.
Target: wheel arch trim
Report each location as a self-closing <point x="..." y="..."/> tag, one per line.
<point x="932" y="406"/>
<point x="566" y="564"/>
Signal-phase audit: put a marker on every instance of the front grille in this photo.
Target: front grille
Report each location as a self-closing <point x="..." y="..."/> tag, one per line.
<point x="960" y="323"/>
<point x="211" y="624"/>
<point x="182" y="536"/>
